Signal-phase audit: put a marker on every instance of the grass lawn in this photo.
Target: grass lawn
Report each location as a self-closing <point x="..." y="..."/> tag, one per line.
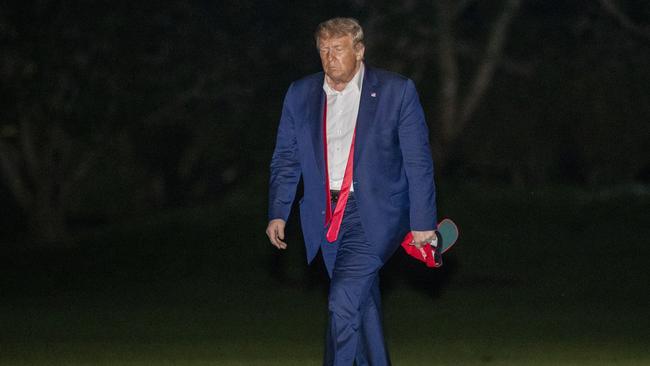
<point x="544" y="278"/>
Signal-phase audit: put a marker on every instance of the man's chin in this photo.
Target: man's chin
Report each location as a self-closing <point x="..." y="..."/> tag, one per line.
<point x="336" y="77"/>
<point x="333" y="74"/>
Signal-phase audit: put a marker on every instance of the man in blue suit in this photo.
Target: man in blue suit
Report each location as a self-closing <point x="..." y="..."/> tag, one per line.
<point x="358" y="138"/>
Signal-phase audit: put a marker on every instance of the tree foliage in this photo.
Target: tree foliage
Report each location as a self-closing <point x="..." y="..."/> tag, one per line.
<point x="111" y="109"/>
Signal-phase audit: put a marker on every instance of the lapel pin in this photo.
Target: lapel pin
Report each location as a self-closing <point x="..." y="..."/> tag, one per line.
<point x="373" y="94"/>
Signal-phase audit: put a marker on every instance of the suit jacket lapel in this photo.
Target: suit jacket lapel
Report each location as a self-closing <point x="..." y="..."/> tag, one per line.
<point x="367" y="109"/>
<point x="315" y="105"/>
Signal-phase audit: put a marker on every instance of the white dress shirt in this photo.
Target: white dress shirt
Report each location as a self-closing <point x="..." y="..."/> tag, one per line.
<point x="342" y="111"/>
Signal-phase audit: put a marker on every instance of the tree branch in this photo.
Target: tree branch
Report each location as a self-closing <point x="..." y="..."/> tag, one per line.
<point x="510" y="66"/>
<point x="461" y="6"/>
<point x="448" y="70"/>
<point x="624" y="20"/>
<point x="485" y="70"/>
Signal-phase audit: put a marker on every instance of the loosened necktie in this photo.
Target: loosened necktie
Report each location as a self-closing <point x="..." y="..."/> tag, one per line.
<point x="334" y="220"/>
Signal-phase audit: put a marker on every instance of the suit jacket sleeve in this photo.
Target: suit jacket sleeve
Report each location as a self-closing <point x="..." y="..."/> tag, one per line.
<point x="285" y="164"/>
<point x="418" y="164"/>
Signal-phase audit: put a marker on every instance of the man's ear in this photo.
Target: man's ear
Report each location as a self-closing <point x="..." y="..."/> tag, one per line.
<point x="360" y="49"/>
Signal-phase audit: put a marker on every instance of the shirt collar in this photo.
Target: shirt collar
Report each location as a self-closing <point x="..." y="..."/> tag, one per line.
<point x="355" y="84"/>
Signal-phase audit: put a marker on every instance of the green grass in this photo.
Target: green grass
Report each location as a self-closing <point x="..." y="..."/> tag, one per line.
<point x="549" y="278"/>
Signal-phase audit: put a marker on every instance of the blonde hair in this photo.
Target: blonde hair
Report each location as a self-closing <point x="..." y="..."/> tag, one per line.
<point x="339" y="27"/>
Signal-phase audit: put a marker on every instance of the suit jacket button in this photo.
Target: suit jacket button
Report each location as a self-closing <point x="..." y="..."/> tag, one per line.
<point x="322" y="212"/>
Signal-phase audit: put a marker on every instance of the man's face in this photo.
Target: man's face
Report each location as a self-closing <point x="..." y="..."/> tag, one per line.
<point x="340" y="58"/>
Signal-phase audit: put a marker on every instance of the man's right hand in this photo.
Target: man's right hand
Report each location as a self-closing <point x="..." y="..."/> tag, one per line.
<point x="275" y="232"/>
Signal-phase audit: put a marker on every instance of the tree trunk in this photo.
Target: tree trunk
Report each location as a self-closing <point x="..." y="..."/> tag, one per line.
<point x="37" y="179"/>
<point x="456" y="110"/>
<point x="448" y="97"/>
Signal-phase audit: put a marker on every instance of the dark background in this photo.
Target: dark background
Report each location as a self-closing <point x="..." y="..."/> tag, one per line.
<point x="135" y="139"/>
<point x="112" y="108"/>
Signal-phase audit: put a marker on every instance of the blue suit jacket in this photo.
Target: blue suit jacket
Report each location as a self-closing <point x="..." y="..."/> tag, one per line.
<point x="393" y="169"/>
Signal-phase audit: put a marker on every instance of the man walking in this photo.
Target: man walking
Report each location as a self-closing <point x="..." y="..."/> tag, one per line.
<point x="358" y="138"/>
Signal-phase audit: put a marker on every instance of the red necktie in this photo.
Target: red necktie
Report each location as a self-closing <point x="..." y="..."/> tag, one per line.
<point x="334" y="220"/>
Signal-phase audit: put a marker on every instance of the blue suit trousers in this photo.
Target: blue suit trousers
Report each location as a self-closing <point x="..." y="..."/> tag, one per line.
<point x="354" y="329"/>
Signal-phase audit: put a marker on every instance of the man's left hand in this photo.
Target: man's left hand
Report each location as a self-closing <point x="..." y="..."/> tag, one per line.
<point x="420" y="238"/>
